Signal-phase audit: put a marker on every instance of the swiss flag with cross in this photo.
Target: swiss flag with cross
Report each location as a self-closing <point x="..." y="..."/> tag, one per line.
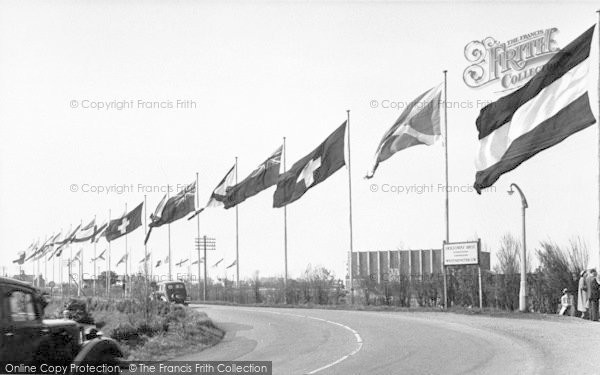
<point x="124" y="225"/>
<point x="312" y="169"/>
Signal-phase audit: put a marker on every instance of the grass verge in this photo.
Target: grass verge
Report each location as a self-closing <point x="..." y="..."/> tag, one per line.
<point x="453" y="310"/>
<point x="153" y="331"/>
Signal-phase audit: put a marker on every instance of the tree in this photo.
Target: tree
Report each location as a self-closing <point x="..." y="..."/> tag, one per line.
<point x="102" y="278"/>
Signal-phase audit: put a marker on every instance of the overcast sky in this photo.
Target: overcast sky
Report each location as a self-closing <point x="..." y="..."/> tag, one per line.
<point x="256" y="72"/>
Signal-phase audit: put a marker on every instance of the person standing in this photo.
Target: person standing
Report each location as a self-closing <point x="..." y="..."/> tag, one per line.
<point x="593" y="294"/>
<point x="582" y="299"/>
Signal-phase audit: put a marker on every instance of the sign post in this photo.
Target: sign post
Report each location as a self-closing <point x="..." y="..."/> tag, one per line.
<point x="464" y="254"/>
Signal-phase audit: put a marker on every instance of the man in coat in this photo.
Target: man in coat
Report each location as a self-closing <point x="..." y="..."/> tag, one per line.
<point x="593" y="295"/>
<point x="582" y="299"/>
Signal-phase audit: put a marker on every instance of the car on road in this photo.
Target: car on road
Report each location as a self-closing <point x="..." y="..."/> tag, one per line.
<point x="26" y="337"/>
<point x="171" y="291"/>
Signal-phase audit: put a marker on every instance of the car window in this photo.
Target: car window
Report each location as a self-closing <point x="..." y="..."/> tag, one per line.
<point x="22" y="308"/>
<point x="179" y="286"/>
<point x="170" y="287"/>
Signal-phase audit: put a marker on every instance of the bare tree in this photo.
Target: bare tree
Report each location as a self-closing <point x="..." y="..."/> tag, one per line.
<point x="508" y="255"/>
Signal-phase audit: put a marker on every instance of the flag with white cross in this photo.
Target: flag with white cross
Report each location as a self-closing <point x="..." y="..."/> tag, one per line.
<point x="124" y="225"/>
<point x="312" y="169"/>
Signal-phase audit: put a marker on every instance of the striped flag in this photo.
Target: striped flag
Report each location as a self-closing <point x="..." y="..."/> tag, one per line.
<point x="419" y="124"/>
<point x="553" y="105"/>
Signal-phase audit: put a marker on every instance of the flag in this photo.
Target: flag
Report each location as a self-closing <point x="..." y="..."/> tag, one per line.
<point x="201" y="260"/>
<point x="101" y="256"/>
<point x="39" y="251"/>
<point x="21" y="259"/>
<point x="158" y="264"/>
<point x="553" y="105"/>
<point x="99" y="232"/>
<point x="70" y="237"/>
<point x="124" y="225"/>
<point x="166" y="259"/>
<point x="59" y="249"/>
<point x="312" y="169"/>
<point x="146" y="258"/>
<point x="181" y="262"/>
<point x="219" y="262"/>
<point x="174" y="208"/>
<point x="77" y="255"/>
<point x="33" y="250"/>
<point x="219" y="195"/>
<point x="86" y="233"/>
<point x="263" y="177"/>
<point x="231" y="265"/>
<point x="122" y="260"/>
<point x="419" y="124"/>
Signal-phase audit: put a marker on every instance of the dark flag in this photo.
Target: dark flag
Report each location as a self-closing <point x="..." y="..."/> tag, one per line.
<point x="231" y="265"/>
<point x="124" y="225"/>
<point x="219" y="262"/>
<point x="553" y="105"/>
<point x="174" y="208"/>
<point x="312" y="169"/>
<point x="260" y="179"/>
<point x="101" y="256"/>
<point x="146" y="258"/>
<point x="181" y="262"/>
<point x="158" y="264"/>
<point x="21" y="259"/>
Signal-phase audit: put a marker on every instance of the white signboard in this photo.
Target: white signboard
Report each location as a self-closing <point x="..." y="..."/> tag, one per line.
<point x="461" y="253"/>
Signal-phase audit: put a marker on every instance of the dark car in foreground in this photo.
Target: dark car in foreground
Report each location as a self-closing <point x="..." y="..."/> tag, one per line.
<point x="26" y="337"/>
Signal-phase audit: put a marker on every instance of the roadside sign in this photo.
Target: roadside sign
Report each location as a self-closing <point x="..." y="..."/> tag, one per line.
<point x="461" y="253"/>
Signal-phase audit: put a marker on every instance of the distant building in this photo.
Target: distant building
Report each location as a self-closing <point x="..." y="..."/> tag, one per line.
<point x="388" y="265"/>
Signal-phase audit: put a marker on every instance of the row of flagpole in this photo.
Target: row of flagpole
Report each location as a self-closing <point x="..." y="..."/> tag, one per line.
<point x="285" y="237"/>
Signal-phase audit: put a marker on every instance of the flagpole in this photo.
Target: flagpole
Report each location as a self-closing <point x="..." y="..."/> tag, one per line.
<point x="197" y="242"/>
<point x="45" y="270"/>
<point x="108" y="275"/>
<point x="70" y="267"/>
<point x="145" y="249"/>
<point x="237" y="237"/>
<point x="447" y="217"/>
<point x="285" y="247"/>
<point x="126" y="258"/>
<point x="95" y="269"/>
<point x="80" y="264"/>
<point x="350" y="208"/>
<point x="598" y="11"/>
<point x="169" y="239"/>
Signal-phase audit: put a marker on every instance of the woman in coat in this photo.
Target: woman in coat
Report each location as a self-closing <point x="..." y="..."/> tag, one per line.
<point x="582" y="298"/>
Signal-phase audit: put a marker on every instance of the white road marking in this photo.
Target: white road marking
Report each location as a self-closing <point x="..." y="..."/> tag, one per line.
<point x="359" y="340"/>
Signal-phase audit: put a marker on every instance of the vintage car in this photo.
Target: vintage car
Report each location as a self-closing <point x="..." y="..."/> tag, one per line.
<point x="26" y="337"/>
<point x="171" y="291"/>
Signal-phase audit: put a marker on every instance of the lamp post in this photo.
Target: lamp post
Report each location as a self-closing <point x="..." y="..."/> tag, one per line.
<point x="523" y="288"/>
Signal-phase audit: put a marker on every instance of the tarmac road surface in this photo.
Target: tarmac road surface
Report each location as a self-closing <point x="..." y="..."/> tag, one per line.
<point x="312" y="341"/>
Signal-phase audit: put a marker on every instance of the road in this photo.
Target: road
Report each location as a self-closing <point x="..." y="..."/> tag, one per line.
<point x="312" y="341"/>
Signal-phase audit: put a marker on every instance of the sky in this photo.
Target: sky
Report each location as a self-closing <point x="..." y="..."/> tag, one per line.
<point x="199" y="83"/>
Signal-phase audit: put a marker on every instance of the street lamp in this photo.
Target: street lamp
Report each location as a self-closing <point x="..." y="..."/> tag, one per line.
<point x="523" y="288"/>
